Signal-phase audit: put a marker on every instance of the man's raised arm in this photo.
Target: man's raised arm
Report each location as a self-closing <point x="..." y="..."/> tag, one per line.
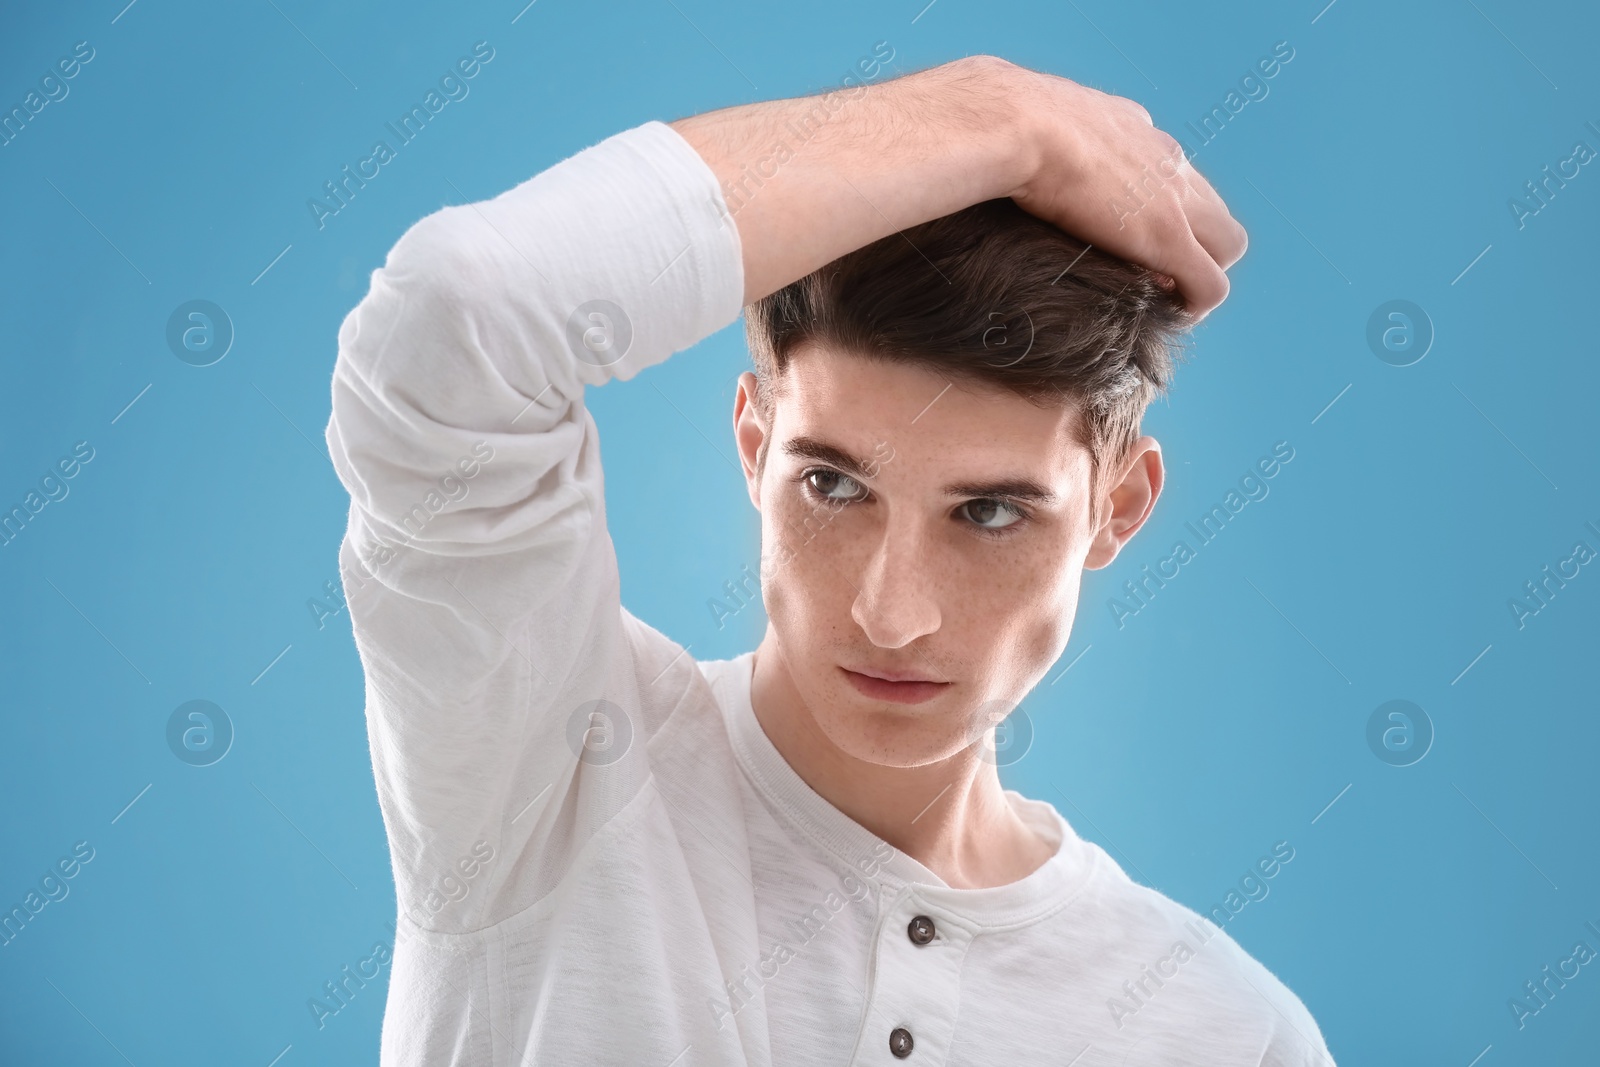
<point x="925" y="145"/>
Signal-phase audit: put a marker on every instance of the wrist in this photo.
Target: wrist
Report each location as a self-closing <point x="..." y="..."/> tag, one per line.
<point x="987" y="98"/>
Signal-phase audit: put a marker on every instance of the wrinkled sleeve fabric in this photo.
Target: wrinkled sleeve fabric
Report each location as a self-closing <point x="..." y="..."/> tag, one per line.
<point x="481" y="580"/>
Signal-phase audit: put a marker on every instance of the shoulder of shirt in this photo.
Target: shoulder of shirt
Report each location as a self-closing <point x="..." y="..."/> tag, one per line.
<point x="1232" y="977"/>
<point x="666" y="664"/>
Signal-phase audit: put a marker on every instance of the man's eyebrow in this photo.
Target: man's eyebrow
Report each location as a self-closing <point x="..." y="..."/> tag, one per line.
<point x="803" y="447"/>
<point x="1024" y="489"/>
<point x="1021" y="489"/>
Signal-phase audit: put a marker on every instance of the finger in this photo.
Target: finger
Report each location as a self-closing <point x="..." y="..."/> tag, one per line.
<point x="1201" y="281"/>
<point x="1209" y="219"/>
<point x="1218" y="232"/>
<point x="1204" y="295"/>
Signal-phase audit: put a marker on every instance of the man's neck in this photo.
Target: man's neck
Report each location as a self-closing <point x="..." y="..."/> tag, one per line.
<point x="951" y="816"/>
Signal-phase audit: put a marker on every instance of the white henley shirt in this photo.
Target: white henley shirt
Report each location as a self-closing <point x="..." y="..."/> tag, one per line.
<point x="599" y="856"/>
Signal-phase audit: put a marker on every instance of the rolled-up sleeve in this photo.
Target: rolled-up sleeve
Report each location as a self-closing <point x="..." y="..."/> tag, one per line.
<point x="481" y="580"/>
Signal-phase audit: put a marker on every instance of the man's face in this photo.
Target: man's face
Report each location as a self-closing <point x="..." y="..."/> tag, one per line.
<point x="922" y="546"/>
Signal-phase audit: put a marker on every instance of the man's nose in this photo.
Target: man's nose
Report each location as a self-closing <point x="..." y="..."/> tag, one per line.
<point x="896" y="602"/>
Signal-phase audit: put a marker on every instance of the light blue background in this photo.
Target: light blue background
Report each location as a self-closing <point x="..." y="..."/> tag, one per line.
<point x="1221" y="719"/>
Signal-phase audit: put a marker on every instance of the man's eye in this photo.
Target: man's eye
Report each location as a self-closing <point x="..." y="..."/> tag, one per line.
<point x="991" y="514"/>
<point x="831" y="485"/>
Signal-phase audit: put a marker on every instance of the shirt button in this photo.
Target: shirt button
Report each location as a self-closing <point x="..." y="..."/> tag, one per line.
<point x="900" y="1042"/>
<point x="920" y="930"/>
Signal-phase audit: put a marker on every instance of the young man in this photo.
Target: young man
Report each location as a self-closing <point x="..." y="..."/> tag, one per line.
<point x="607" y="852"/>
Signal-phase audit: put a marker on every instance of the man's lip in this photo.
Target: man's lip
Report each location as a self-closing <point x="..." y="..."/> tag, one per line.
<point x="894" y="676"/>
<point x="912" y="691"/>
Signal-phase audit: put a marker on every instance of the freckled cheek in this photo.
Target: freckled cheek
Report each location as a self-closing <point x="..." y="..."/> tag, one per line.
<point x="1023" y="601"/>
<point x="1053" y="626"/>
<point x="807" y="570"/>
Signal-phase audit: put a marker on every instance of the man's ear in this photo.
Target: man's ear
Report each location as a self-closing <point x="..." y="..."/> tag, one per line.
<point x="749" y="433"/>
<point x="1132" y="497"/>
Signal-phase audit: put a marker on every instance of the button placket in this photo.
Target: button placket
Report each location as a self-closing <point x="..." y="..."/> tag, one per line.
<point x="917" y="984"/>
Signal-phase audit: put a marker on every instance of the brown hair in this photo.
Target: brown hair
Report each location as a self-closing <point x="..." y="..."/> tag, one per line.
<point x="994" y="295"/>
